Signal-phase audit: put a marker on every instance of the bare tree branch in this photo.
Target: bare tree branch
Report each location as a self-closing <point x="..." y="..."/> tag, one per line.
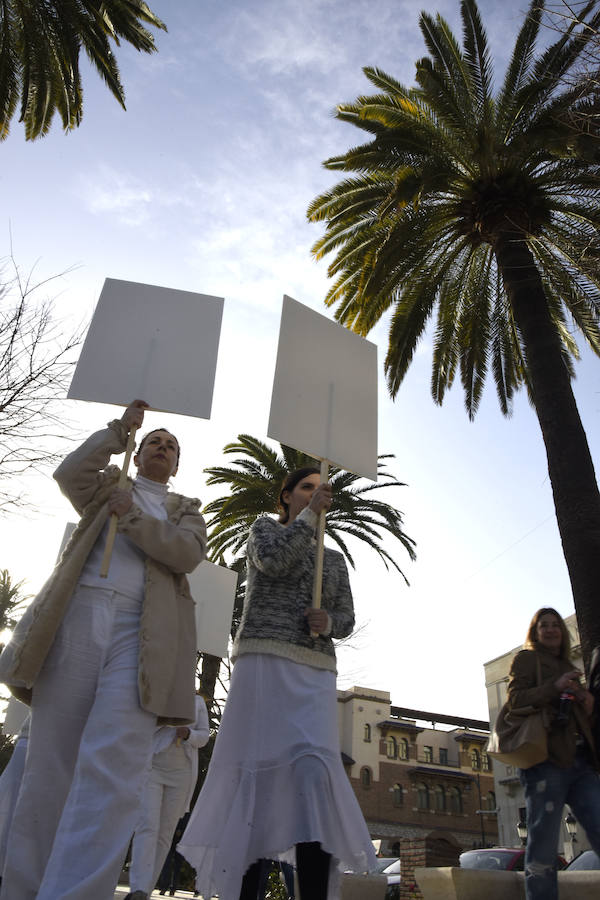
<point x="36" y="359"/>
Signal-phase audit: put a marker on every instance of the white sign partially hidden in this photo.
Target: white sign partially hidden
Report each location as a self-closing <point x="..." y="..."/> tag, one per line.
<point x="213" y="589"/>
<point x="153" y="343"/>
<point x="16" y="713"/>
<point x="324" y="398"/>
<point x="69" y="529"/>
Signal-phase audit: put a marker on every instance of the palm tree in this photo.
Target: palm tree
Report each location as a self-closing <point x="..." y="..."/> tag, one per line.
<point x="12" y="600"/>
<point x="40" y="44"/>
<point x="254" y="482"/>
<point x="485" y="207"/>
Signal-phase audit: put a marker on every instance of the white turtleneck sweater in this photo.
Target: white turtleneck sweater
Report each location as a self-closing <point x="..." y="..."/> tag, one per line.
<point x="127" y="571"/>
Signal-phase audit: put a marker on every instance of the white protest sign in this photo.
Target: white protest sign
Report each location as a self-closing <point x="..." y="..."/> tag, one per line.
<point x="324" y="398"/>
<point x="16" y="713"/>
<point x="69" y="529"/>
<point x="153" y="343"/>
<point x="213" y="589"/>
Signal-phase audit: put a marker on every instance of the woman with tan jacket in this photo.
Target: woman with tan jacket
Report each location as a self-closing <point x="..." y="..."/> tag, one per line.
<point x="102" y="661"/>
<point x="542" y="676"/>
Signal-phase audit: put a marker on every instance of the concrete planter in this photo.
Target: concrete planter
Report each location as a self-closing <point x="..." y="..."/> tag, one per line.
<point x="475" y="884"/>
<point x="363" y="887"/>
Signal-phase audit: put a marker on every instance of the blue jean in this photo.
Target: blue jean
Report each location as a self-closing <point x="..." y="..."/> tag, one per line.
<point x="547" y="789"/>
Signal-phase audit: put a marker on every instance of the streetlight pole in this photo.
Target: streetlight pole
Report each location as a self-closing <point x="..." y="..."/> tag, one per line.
<point x="481" y="811"/>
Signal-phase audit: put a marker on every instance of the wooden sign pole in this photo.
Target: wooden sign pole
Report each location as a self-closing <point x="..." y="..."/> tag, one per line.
<point x="114" y="519"/>
<point x="319" y="553"/>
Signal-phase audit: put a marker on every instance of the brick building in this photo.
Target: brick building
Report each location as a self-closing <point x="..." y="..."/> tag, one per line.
<point x="414" y="781"/>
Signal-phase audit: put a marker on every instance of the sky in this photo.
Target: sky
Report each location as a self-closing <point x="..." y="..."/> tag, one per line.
<point x="203" y="185"/>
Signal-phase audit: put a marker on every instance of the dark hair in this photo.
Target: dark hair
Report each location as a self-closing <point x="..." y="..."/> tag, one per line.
<point x="289" y="484"/>
<point x="531" y="640"/>
<point x="154" y="430"/>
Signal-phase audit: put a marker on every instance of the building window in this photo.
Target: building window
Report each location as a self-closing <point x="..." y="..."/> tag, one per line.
<point x="398" y="796"/>
<point x="428" y="754"/>
<point x="440" y="798"/>
<point x="367" y="734"/>
<point x="443" y="756"/>
<point x="422" y="796"/>
<point x="392" y="748"/>
<point x="485" y="762"/>
<point x="456" y="804"/>
<point x="403" y="749"/>
<point x="365" y="777"/>
<point x="475" y="759"/>
<point x="489" y="801"/>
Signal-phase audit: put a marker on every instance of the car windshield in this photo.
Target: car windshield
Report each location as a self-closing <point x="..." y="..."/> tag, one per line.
<point x="586" y="860"/>
<point x="487" y="859"/>
<point x="383" y="862"/>
<point x="393" y="869"/>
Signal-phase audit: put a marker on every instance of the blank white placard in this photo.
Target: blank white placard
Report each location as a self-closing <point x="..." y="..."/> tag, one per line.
<point x="213" y="589"/>
<point x="151" y="343"/>
<point x="69" y="529"/>
<point x="16" y="713"/>
<point x="324" y="400"/>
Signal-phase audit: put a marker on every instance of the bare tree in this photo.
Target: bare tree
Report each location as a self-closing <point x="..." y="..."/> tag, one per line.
<point x="36" y="358"/>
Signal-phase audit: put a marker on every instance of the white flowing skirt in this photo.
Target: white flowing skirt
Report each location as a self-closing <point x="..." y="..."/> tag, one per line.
<point x="276" y="779"/>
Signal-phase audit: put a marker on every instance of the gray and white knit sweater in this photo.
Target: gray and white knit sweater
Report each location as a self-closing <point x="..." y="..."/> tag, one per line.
<point x="281" y="562"/>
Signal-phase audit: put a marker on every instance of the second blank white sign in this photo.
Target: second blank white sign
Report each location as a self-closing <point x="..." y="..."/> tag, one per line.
<point x="325" y="391"/>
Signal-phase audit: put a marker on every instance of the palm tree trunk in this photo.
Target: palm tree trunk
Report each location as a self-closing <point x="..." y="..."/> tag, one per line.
<point x="208" y="676"/>
<point x="570" y="466"/>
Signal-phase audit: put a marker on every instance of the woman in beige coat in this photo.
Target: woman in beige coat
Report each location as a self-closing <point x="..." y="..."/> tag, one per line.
<point x="102" y="661"/>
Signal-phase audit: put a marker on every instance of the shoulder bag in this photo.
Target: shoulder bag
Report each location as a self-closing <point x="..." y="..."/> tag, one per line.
<point x="519" y="736"/>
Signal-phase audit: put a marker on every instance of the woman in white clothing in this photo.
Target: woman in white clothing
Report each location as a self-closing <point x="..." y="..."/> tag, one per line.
<point x="10" y="784"/>
<point x="99" y="660"/>
<point x="167" y="796"/>
<point x="276" y="787"/>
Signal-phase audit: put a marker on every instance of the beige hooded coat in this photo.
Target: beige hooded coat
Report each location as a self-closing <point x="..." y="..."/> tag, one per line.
<point x="167" y="655"/>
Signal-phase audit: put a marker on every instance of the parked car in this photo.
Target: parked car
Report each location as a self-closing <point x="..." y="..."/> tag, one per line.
<point x="390" y="867"/>
<point x="508" y="858"/>
<point x="392" y="871"/>
<point x="586" y="860"/>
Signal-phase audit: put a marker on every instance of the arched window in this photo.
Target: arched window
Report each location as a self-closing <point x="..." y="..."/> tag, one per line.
<point x="392" y="748"/>
<point x="365" y="777"/>
<point x="440" y="798"/>
<point x="456" y="804"/>
<point x="398" y="796"/>
<point x="403" y="749"/>
<point x="367" y="734"/>
<point x="475" y="760"/>
<point x="489" y="801"/>
<point x="485" y="762"/>
<point x="422" y="796"/>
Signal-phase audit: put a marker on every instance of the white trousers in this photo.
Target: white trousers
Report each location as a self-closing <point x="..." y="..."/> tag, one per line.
<point x="89" y="748"/>
<point x="163" y="804"/>
<point x="10" y="784"/>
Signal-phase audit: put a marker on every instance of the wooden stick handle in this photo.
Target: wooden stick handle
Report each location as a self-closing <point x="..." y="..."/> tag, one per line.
<point x="114" y="519"/>
<point x="318" y="578"/>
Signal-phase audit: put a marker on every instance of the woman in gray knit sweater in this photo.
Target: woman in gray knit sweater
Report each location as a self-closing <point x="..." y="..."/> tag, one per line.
<point x="276" y="787"/>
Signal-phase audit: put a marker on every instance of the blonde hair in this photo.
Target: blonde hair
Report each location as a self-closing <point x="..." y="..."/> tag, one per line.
<point x="531" y="640"/>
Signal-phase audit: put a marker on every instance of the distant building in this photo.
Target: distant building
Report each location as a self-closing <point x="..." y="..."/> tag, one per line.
<point x="510" y="799"/>
<point x="414" y="781"/>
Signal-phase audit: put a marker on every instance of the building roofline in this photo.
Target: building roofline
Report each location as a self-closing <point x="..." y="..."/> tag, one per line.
<point x="403" y="712"/>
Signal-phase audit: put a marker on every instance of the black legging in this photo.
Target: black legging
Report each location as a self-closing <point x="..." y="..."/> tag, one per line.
<point x="313" y="874"/>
